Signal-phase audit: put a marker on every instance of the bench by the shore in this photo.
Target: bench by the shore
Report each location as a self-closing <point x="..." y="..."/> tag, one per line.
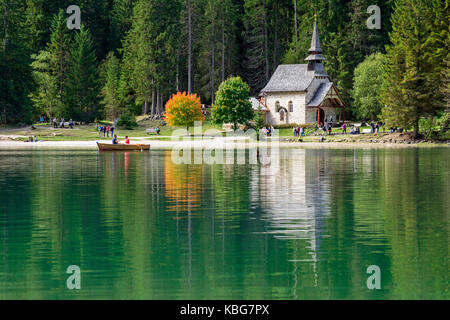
<point x="153" y="130"/>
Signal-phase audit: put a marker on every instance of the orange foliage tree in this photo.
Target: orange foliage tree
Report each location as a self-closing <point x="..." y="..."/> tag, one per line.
<point x="183" y="109"/>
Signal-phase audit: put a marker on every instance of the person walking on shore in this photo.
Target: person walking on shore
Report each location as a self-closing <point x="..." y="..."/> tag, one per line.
<point x="104" y="131"/>
<point x="107" y="131"/>
<point x="55" y="124"/>
<point x="344" y="128"/>
<point x="112" y="130"/>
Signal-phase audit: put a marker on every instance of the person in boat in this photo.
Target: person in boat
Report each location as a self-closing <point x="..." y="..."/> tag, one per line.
<point x="115" y="140"/>
<point x="127" y="141"/>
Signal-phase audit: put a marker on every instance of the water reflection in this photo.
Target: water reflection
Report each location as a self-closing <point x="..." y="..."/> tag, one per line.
<point x="140" y="226"/>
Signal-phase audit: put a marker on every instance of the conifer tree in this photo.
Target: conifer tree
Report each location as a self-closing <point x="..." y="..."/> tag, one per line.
<point x="121" y="21"/>
<point x="410" y="91"/>
<point x="59" y="48"/>
<point x="46" y="98"/>
<point x="111" y="89"/>
<point x="15" y="70"/>
<point x="256" y="31"/>
<point x="83" y="85"/>
<point x="150" y="52"/>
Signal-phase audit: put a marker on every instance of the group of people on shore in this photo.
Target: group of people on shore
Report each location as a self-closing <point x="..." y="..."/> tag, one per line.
<point x="61" y="123"/>
<point x="32" y="139"/>
<point x="105" y="130"/>
<point x="268" y="131"/>
<point x="299" y="131"/>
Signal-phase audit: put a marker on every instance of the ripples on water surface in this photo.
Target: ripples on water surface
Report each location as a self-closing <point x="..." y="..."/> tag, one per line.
<point x="142" y="227"/>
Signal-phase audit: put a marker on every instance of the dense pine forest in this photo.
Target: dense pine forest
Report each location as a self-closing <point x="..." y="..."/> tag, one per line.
<point x="131" y="56"/>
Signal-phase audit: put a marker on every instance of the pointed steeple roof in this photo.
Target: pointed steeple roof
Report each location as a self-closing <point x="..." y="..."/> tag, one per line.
<point x="315" y="52"/>
<point x="315" y="41"/>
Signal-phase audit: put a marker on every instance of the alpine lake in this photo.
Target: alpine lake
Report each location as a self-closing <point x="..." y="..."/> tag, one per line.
<point x="140" y="226"/>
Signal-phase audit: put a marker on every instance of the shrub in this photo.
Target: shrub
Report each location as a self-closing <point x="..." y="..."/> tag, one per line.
<point x="127" y="121"/>
<point x="293" y="125"/>
<point x="427" y="127"/>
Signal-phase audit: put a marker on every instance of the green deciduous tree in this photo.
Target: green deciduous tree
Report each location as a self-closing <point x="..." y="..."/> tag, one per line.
<point x="233" y="103"/>
<point x="367" y="85"/>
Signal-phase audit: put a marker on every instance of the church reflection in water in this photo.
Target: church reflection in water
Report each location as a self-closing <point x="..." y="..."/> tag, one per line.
<point x="295" y="201"/>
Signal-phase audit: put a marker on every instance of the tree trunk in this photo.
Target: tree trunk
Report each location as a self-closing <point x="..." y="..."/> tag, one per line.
<point x="4" y="32"/>
<point x="153" y="103"/>
<point x="5" y="36"/>
<point x="160" y="104"/>
<point x="189" y="48"/>
<point x="266" y="49"/>
<point x="416" y="128"/>
<point x="178" y="71"/>
<point x="157" y="102"/>
<point x="223" y="42"/>
<point x="145" y="107"/>
<point x="275" y="39"/>
<point x="295" y="21"/>
<point x="213" y="56"/>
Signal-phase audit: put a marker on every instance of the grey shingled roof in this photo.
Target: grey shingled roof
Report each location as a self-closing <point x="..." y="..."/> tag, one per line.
<point x="290" y="78"/>
<point x="320" y="94"/>
<point x="315" y="57"/>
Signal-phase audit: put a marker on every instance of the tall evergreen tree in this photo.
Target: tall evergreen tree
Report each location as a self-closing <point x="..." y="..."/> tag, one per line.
<point x="46" y="98"/>
<point x="411" y="91"/>
<point x="256" y="28"/>
<point x="111" y="89"/>
<point x="83" y="85"/>
<point x="95" y="15"/>
<point x="15" y="70"/>
<point x="59" y="48"/>
<point x="34" y="24"/>
<point x="150" y="51"/>
<point x="121" y="21"/>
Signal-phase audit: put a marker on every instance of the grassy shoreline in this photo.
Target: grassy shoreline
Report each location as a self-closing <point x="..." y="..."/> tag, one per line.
<point x="88" y="133"/>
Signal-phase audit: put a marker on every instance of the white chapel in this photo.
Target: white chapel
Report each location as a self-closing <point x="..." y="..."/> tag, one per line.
<point x="302" y="93"/>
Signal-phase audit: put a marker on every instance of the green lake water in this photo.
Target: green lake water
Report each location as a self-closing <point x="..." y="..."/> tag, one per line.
<point x="141" y="227"/>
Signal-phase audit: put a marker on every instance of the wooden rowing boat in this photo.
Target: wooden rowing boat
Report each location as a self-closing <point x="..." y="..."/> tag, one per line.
<point x="122" y="147"/>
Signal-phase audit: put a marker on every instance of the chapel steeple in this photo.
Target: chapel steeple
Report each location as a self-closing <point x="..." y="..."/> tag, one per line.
<point x="315" y="52"/>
